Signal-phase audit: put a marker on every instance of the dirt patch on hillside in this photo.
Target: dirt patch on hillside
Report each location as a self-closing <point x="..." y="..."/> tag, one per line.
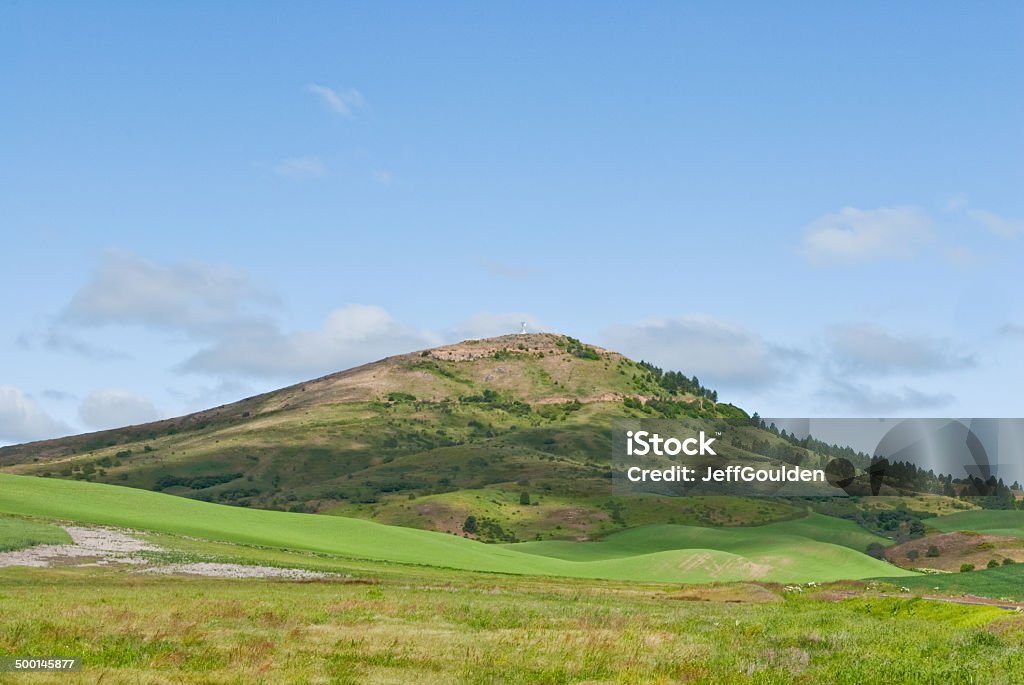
<point x="956" y="549"/>
<point x="237" y="571"/>
<point x="113" y="547"/>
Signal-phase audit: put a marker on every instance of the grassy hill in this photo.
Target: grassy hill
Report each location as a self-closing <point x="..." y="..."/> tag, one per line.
<point x="664" y="554"/>
<point x="994" y="522"/>
<point x="423" y="439"/>
<point x="430" y="438"/>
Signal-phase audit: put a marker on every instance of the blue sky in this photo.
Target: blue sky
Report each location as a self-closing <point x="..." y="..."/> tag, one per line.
<point x="816" y="209"/>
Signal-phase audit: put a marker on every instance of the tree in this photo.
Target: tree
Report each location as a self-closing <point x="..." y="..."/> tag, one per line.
<point x="875" y="550"/>
<point x="524" y="497"/>
<point x="1008" y="561"/>
<point x="992" y="563"/>
<point x="470" y="525"/>
<point x="933" y="551"/>
<point x="966" y="568"/>
<point x="913" y="554"/>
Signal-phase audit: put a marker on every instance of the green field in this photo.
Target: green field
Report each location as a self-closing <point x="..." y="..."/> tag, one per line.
<point x="797" y="552"/>
<point x="1003" y="582"/>
<point x="556" y="612"/>
<point x="16" y="533"/>
<point x="812" y="548"/>
<point x="443" y="627"/>
<point x="994" y="522"/>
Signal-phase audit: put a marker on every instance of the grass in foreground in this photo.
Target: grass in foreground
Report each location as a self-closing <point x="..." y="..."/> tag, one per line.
<point x="464" y="628"/>
<point x="17" y="533"/>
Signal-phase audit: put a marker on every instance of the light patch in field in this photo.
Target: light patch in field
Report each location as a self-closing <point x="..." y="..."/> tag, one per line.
<point x="238" y="571"/>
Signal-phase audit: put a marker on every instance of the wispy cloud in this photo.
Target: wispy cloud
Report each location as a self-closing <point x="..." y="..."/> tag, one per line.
<point x="995" y="223"/>
<point x="349" y="336"/>
<point x="854" y="235"/>
<point x="343" y="102"/>
<point x="864" y="399"/>
<point x="384" y="178"/>
<point x="719" y="352"/>
<point x="194" y="298"/>
<point x="1011" y="330"/>
<point x="114" y="407"/>
<point x="510" y="272"/>
<point x="58" y="339"/>
<point x="866" y="349"/>
<point x="300" y="167"/>
<point x="1000" y="226"/>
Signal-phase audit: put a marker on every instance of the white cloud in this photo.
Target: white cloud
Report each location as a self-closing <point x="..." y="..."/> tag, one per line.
<point x="343" y="102"/>
<point x="384" y="178"/>
<point x="196" y="298"/>
<point x="349" y="336"/>
<point x="717" y="352"/>
<point x="486" y="325"/>
<point x="300" y="167"/>
<point x="114" y="408"/>
<point x="867" y="349"/>
<point x="853" y="235"/>
<point x="22" y="419"/>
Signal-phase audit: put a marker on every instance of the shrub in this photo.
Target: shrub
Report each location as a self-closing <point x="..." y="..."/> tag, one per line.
<point x="1008" y="561"/>
<point x="992" y="563"/>
<point x="913" y="554"/>
<point x="875" y="550"/>
<point x="401" y="397"/>
<point x="524" y="497"/>
<point x="470" y="525"/>
<point x="933" y="551"/>
<point x="965" y="568"/>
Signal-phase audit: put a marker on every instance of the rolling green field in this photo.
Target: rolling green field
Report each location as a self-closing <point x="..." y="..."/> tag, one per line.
<point x="813" y="548"/>
<point x="635" y="607"/>
<point x="16" y="533"/>
<point x="797" y="552"/>
<point x="995" y="522"/>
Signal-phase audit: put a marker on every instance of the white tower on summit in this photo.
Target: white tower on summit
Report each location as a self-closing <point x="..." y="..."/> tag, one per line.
<point x="523" y="330"/>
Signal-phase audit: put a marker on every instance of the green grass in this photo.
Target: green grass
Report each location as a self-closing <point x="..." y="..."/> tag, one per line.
<point x="997" y="583"/>
<point x="782" y="557"/>
<point x="475" y="630"/>
<point x="995" y="522"/>
<point x="17" y="533"/>
<point x="816" y="547"/>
